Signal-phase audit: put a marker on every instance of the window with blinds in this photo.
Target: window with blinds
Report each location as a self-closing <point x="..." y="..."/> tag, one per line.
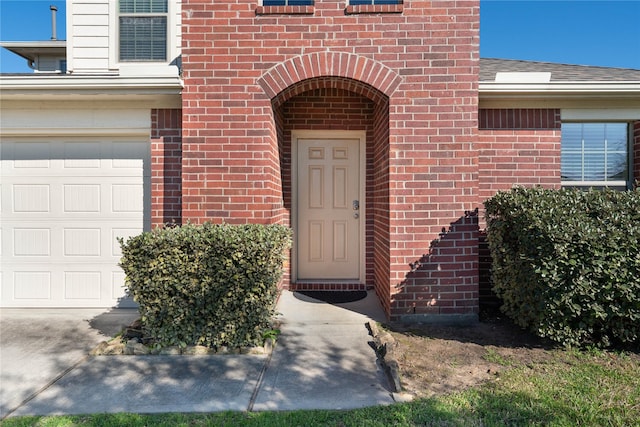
<point x="143" y="30"/>
<point x="595" y="154"/>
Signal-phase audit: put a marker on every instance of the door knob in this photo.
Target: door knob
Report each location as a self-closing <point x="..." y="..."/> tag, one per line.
<point x="356" y="205"/>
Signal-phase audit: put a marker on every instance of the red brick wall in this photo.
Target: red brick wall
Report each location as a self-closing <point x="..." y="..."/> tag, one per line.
<point x="518" y="147"/>
<point x="166" y="167"/>
<point x="636" y="152"/>
<point x="419" y="67"/>
<point x="515" y="147"/>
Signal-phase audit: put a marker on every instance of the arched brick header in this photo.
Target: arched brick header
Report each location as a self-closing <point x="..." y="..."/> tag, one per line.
<point x="344" y="83"/>
<point x="322" y="64"/>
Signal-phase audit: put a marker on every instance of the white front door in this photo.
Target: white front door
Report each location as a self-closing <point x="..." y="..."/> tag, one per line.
<point x="329" y="208"/>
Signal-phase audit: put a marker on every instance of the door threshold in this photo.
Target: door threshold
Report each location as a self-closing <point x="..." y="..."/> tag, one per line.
<point x="329" y="285"/>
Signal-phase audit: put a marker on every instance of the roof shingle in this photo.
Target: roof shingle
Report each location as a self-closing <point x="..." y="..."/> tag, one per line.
<point x="559" y="72"/>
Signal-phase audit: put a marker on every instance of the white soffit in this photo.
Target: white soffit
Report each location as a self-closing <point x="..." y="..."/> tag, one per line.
<point x="523" y="77"/>
<point x="593" y="114"/>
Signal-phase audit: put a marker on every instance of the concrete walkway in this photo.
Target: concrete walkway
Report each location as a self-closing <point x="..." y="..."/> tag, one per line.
<point x="322" y="361"/>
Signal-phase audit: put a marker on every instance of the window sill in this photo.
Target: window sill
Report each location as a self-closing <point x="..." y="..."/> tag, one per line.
<point x="614" y="185"/>
<point x="373" y="8"/>
<point x="284" y="10"/>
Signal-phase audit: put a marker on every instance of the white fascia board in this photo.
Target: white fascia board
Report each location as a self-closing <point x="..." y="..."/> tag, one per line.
<point x="559" y="89"/>
<point x="24" y="87"/>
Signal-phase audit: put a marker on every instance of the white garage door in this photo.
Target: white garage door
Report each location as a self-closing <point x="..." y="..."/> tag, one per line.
<point x="64" y="202"/>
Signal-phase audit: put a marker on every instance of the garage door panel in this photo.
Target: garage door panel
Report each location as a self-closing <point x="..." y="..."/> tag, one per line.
<point x="31" y="198"/>
<point x="31" y="242"/>
<point x="31" y="285"/>
<point x="127" y="198"/>
<point x="82" y="285"/>
<point x="82" y="242"/>
<point x="84" y="198"/>
<point x="62" y="216"/>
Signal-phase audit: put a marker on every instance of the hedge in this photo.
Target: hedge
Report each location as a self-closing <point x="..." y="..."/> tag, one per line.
<point x="211" y="285"/>
<point x="566" y="263"/>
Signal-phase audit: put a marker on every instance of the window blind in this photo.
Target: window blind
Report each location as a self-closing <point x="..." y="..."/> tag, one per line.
<point x="143" y="38"/>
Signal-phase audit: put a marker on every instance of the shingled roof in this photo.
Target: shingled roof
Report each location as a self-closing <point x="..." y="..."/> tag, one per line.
<point x="559" y="72"/>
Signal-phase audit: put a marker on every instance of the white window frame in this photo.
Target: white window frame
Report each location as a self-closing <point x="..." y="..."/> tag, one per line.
<point x="144" y="67"/>
<point x="615" y="184"/>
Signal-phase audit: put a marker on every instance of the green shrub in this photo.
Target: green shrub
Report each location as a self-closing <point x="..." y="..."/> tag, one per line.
<point x="566" y="263"/>
<point x="211" y="285"/>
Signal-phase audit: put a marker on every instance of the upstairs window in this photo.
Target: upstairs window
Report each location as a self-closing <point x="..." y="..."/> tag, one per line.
<point x="143" y="30"/>
<point x="287" y="2"/>
<point x="595" y="155"/>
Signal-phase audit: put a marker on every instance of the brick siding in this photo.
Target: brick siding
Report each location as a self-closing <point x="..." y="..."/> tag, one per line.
<point x="515" y="147"/>
<point x="518" y="147"/>
<point x="166" y="167"/>
<point x="416" y="70"/>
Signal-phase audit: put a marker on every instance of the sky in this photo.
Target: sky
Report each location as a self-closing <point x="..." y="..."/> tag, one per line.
<point x="586" y="32"/>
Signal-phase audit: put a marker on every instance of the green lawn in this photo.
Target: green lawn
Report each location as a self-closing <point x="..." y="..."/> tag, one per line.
<point x="571" y="389"/>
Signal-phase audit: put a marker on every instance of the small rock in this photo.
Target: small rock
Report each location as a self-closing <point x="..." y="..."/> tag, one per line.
<point x="254" y="350"/>
<point x="170" y="351"/>
<point x="133" y="347"/>
<point x="197" y="350"/>
<point x="402" y="397"/>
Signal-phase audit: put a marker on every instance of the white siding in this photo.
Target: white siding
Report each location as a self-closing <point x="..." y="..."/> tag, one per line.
<point x="92" y="40"/>
<point x="88" y="36"/>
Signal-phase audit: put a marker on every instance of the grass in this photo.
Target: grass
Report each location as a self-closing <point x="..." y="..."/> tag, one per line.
<point x="591" y="388"/>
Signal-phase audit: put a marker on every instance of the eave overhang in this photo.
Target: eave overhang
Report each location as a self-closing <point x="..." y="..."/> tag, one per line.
<point x="563" y="94"/>
<point x="39" y="87"/>
<point x="32" y="49"/>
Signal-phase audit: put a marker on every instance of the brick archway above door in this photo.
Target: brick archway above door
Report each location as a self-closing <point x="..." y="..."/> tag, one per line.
<point x="329" y="64"/>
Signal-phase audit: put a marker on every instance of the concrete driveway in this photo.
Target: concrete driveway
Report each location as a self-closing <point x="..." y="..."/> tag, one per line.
<point x="38" y="346"/>
<point x="322" y="360"/>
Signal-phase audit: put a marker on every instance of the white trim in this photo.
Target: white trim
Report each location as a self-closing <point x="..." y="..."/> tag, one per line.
<point x="602" y="115"/>
<point x="174" y="15"/>
<point x="329" y="134"/>
<point x="156" y="92"/>
<point x="629" y="88"/>
<point x="523" y="77"/>
<point x="572" y="95"/>
<point x="114" y="49"/>
<point x="34" y="82"/>
<point x="594" y="183"/>
<point x="110" y="132"/>
<point x="69" y="35"/>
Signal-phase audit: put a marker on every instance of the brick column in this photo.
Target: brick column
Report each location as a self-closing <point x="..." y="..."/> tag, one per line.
<point x="166" y="167"/>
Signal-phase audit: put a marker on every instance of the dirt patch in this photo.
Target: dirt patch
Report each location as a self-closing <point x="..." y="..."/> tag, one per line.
<point x="437" y="359"/>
